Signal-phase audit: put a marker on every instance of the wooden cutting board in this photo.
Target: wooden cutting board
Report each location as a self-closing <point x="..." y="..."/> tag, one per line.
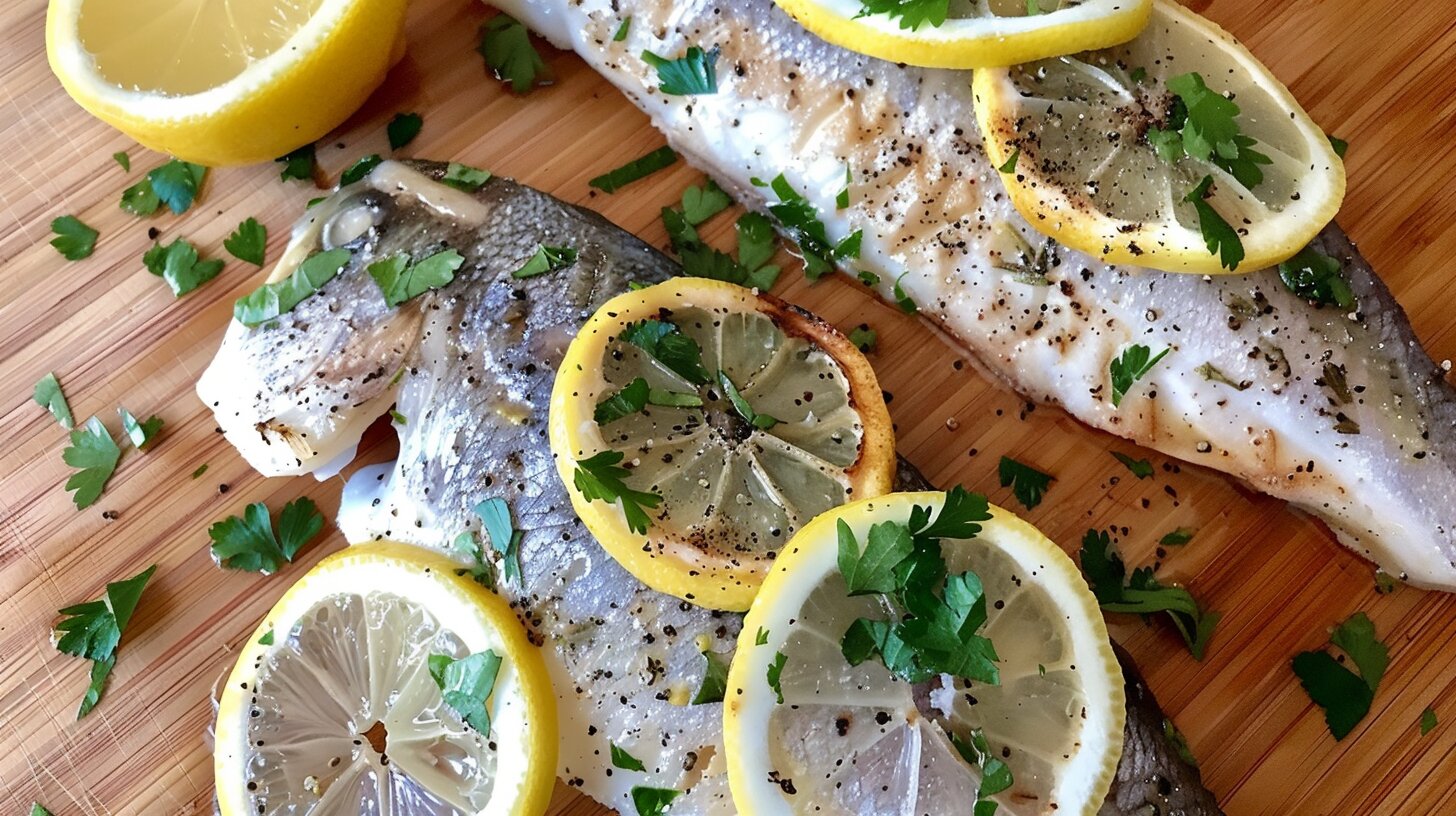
<point x="1382" y="76"/>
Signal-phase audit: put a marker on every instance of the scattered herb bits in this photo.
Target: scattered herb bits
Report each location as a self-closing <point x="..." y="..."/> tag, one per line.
<point x="249" y="542"/>
<point x="506" y="47"/>
<point x="49" y="396"/>
<point x="1027" y="483"/>
<point x="546" y="259"/>
<point x="1142" y="593"/>
<point x="93" y="631"/>
<point x="635" y="170"/>
<point x="180" y="266"/>
<point x="247" y="242"/>
<point x="403" y="129"/>
<point x="74" y="240"/>
<point x="1345" y="695"/>
<point x="694" y="73"/>
<point x="95" y="454"/>
<point x="298" y="164"/>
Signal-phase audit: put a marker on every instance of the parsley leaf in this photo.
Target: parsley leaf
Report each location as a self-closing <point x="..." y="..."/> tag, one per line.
<point x="652" y="801"/>
<point x="402" y="279"/>
<point x="140" y="198"/>
<point x="274" y="299"/>
<point x="740" y="404"/>
<point x="695" y="72"/>
<point x="266" y="639"/>
<point x="841" y="201"/>
<point x="247" y="241"/>
<point x="1356" y="638"/>
<point x="298" y="164"/>
<point x="248" y="543"/>
<point x="1141" y="468"/>
<point x="92" y="630"/>
<point x="359" y="169"/>
<point x="1428" y="721"/>
<point x="1339" y="145"/>
<point x="1129" y="367"/>
<point x="74" y="240"/>
<point x="1142" y="594"/>
<point x="1177" y="537"/>
<point x="701" y="203"/>
<point x="864" y="338"/>
<point x="665" y="343"/>
<point x="93" y="451"/>
<point x="48" y="395"/>
<point x="614" y="180"/>
<point x="1317" y="278"/>
<point x="601" y="477"/>
<point x="141" y="434"/>
<point x="1009" y="166"/>
<point x="506" y="46"/>
<point x="546" y="259"/>
<point x="1344" y="695"/>
<point x="801" y="221"/>
<point x="1218" y="235"/>
<point x="627" y="401"/>
<point x="976" y="751"/>
<point x="760" y="637"/>
<point x="903" y="300"/>
<point x="872" y="571"/>
<point x="179" y="264"/>
<point x="625" y="761"/>
<point x="403" y="129"/>
<point x="122" y="159"/>
<point x="201" y="469"/>
<point x="715" y="679"/>
<point x="464" y="177"/>
<point x="755" y="241"/>
<point x="505" y="539"/>
<point x="466" y="685"/>
<point x="176" y="184"/>
<point x="912" y="14"/>
<point x="622" y="29"/>
<point x="1026" y="482"/>
<point x="775" y="674"/>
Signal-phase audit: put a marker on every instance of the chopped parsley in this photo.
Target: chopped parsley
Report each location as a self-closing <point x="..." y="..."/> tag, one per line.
<point x="601" y="477"/>
<point x="359" y="169"/>
<point x="694" y="73"/>
<point x="1129" y="367"/>
<point x="141" y="433"/>
<point x="74" y="240"/>
<point x="1317" y="278"/>
<point x="1428" y="721"/>
<point x="464" y="177"/>
<point x="635" y="170"/>
<point x="179" y="264"/>
<point x="760" y="637"/>
<point x="1026" y="482"/>
<point x="666" y="344"/>
<point x="755" y="241"/>
<point x="482" y="571"/>
<point x="622" y="29"/>
<point x="1211" y="373"/>
<point x="1218" y="235"/>
<point x="1344" y="695"/>
<point x="1201" y="125"/>
<point x="397" y="418"/>
<point x="715" y="679"/>
<point x="801" y="221"/>
<point x="864" y="338"/>
<point x="995" y="773"/>
<point x="92" y="630"/>
<point x="403" y="129"/>
<point x="49" y="396"/>
<point x="176" y="184"/>
<point x="1178" y="537"/>
<point x="903" y="300"/>
<point x="636" y="395"/>
<point x="274" y="299"/>
<point x="1142" y="594"/>
<point x="1141" y="468"/>
<point x="774" y="675"/>
<point x="546" y="259"/>
<point x="95" y="453"/>
<point x="652" y="801"/>
<point x="201" y="469"/>
<point x="1179" y="743"/>
<point x="761" y="421"/>
<point x="248" y="543"/>
<point x="1009" y="166"/>
<point x="506" y="47"/>
<point x="298" y="164"/>
<point x="466" y="685"/>
<point x="1339" y="145"/>
<point x="247" y="241"/>
<point x="625" y="761"/>
<point x="139" y="198"/>
<point x="505" y="539"/>
<point x="911" y="14"/>
<point x="121" y="158"/>
<point x="401" y="278"/>
<point x="701" y="203"/>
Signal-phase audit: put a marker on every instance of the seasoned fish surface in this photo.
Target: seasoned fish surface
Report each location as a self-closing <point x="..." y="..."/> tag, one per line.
<point x="1343" y="415"/>
<point x="469" y="369"/>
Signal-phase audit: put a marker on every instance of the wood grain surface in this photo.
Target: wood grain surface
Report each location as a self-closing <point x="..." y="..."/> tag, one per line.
<point x="1382" y="76"/>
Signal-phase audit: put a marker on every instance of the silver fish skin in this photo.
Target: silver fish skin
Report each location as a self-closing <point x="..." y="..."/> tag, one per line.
<point x="1342" y="415"/>
<point x="470" y="369"/>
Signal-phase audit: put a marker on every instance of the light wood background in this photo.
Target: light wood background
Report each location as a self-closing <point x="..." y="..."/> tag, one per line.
<point x="1381" y="75"/>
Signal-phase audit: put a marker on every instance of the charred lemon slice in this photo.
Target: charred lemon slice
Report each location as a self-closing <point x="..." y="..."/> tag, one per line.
<point x="1177" y="151"/>
<point x="916" y="653"/>
<point x="698" y="425"/>
<point x="384" y="683"/>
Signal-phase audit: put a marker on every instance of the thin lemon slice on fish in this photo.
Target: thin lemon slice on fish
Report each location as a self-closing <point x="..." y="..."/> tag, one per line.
<point x="333" y="706"/>
<point x="698" y="425"/>
<point x="976" y="34"/>
<point x="222" y="83"/>
<point x="1176" y="151"/>
<point x="810" y="731"/>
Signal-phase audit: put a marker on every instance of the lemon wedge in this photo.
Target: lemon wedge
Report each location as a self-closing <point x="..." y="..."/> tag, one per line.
<point x="971" y="35"/>
<point x="1177" y="151"/>
<point x="730" y="420"/>
<point x="813" y="724"/>
<point x="221" y="83"/>
<point x="333" y="706"/>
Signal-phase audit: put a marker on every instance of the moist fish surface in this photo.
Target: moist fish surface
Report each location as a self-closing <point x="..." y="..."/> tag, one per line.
<point x="1340" y="413"/>
<point x="469" y="370"/>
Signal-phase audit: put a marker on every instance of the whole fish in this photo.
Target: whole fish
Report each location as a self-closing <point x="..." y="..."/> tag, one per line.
<point x="1339" y="412"/>
<point x="469" y="369"/>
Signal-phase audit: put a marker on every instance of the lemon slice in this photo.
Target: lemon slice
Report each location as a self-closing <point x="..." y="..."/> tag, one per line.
<point x="975" y="34"/>
<point x="858" y="739"/>
<point x="1086" y="172"/>
<point x="222" y="83"/>
<point x="758" y="417"/>
<point x="336" y="711"/>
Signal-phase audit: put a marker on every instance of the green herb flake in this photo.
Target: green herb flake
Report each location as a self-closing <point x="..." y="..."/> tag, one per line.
<point x="801" y="221"/>
<point x="1178" y="537"/>
<point x="401" y="279"/>
<point x="1179" y="743"/>
<point x="1218" y="235"/>
<point x="1141" y="468"/>
<point x="505" y="539"/>
<point x="272" y="300"/>
<point x="359" y="169"/>
<point x="911" y="14"/>
<point x="121" y="158"/>
<point x="180" y="265"/>
<point x="694" y="73"/>
<point x="266" y="639"/>
<point x="1202" y="125"/>
<point x="92" y="630"/>
<point x="995" y="773"/>
<point x="626" y="401"/>
<point x="140" y="199"/>
<point x="1026" y="482"/>
<point x="201" y="469"/>
<point x="506" y="47"/>
<point x="864" y="338"/>
<point x="546" y="259"/>
<point x="701" y="203"/>
<point x="464" y="177"/>
<point x="1009" y="166"/>
<point x="466" y="685"/>
<point x="49" y="396"/>
<point x="95" y="453"/>
<point x="841" y="201"/>
<point x="1143" y="594"/>
<point x="1385" y="583"/>
<point x="141" y="433"/>
<point x="403" y="129"/>
<point x="635" y="170"/>
<point x="1317" y="278"/>
<point x="740" y="404"/>
<point x="248" y="241"/>
<point x="298" y="164"/>
<point x="1339" y="145"/>
<point x="249" y="543"/>
<point x="652" y="801"/>
<point x="74" y="240"/>
<point x="1428" y="721"/>
<point x="1344" y="695"/>
<point x="1210" y="372"/>
<point x="1132" y="365"/>
<point x="902" y="299"/>
<point x="760" y="638"/>
<point x="666" y="344"/>
<point x="1138" y="74"/>
<point x="600" y="477"/>
<point x="177" y="183"/>
<point x="625" y="761"/>
<point x="715" y="679"/>
<point x="622" y="29"/>
<point x="775" y="674"/>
